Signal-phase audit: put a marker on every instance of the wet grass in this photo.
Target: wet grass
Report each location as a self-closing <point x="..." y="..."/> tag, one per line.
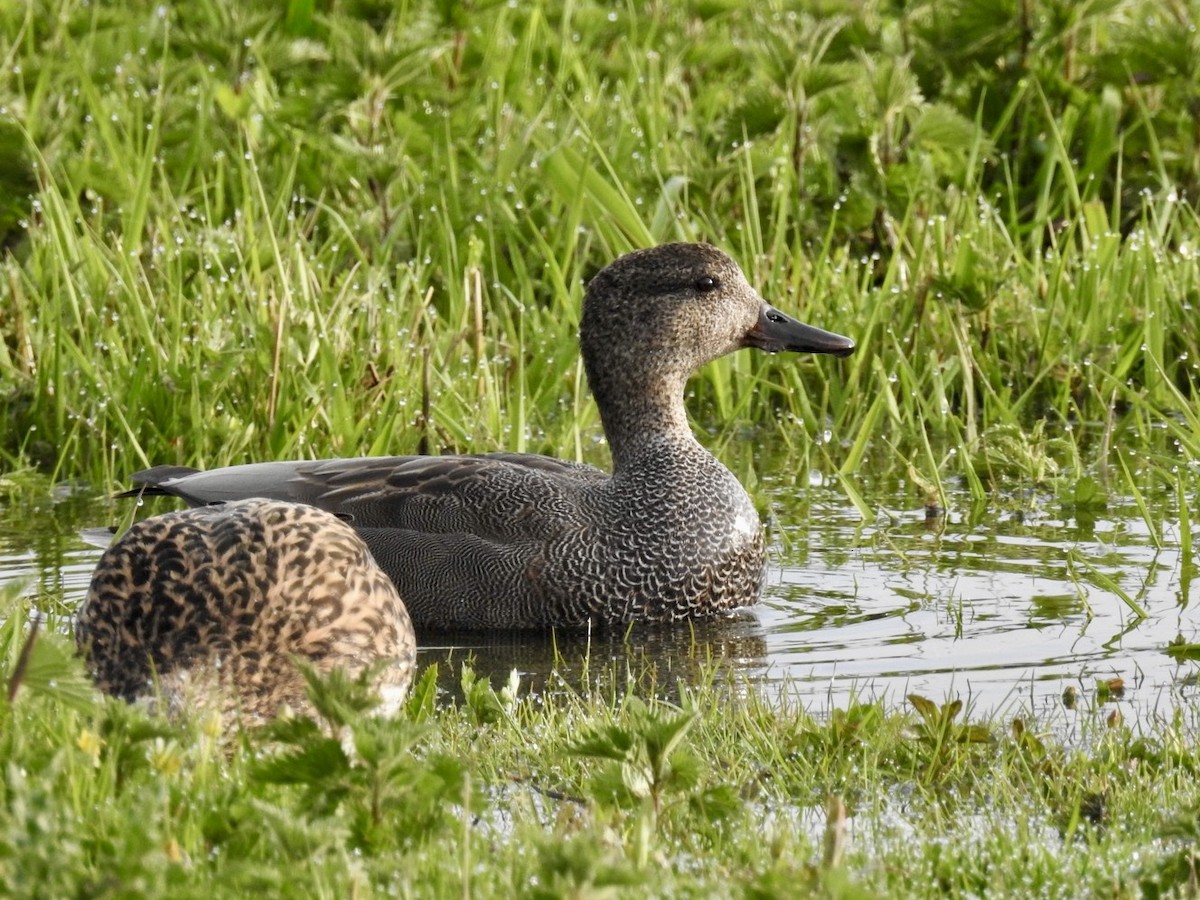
<point x="638" y="786"/>
<point x="257" y="230"/>
<point x="366" y="230"/>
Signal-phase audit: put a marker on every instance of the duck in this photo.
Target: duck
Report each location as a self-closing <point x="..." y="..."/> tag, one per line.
<point x="513" y="541"/>
<point x="211" y="607"/>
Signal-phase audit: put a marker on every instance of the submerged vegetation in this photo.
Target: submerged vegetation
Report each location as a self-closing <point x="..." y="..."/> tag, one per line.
<point x="236" y="231"/>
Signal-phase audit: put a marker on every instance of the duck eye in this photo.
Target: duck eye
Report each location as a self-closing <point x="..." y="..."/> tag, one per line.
<point x="706" y="284"/>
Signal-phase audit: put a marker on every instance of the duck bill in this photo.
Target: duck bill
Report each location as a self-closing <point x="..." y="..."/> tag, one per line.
<point x="775" y="331"/>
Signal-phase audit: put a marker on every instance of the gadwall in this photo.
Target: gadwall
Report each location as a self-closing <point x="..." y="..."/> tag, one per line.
<point x="210" y="607"/>
<point x="512" y="541"/>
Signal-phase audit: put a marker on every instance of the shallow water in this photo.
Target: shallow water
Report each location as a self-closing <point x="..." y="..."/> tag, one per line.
<point x="1000" y="606"/>
<point x="1003" y="609"/>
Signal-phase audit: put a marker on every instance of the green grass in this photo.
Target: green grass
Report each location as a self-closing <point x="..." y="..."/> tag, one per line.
<point x="236" y="231"/>
<point x="267" y="231"/>
<point x="638" y="787"/>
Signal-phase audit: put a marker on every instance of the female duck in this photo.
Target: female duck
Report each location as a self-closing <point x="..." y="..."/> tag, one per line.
<point x="503" y="540"/>
<point x="213" y="605"/>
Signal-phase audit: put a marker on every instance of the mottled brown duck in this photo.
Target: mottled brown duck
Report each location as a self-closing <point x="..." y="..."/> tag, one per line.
<point x="210" y="607"/>
<point x="516" y="541"/>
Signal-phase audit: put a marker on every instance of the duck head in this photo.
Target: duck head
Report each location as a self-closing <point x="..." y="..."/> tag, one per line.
<point x="668" y="310"/>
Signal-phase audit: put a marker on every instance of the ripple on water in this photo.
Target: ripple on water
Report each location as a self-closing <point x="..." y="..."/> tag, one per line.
<point x="1008" y="610"/>
<point x="1003" y="610"/>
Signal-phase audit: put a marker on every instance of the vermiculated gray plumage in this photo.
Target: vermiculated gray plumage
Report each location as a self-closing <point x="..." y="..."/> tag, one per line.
<point x="209" y="606"/>
<point x="504" y="540"/>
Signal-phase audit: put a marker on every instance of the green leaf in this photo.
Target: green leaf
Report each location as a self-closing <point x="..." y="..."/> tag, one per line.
<point x="234" y="104"/>
<point x="940" y="126"/>
<point x="609" y="742"/>
<point x="53" y="671"/>
<point x="662" y="735"/>
<point x="482" y="703"/>
<point x="975" y="734"/>
<point x="1180" y="649"/>
<point x="298" y="20"/>
<point x="927" y="708"/>
<point x="317" y="760"/>
<point x="422" y="697"/>
<point x="338" y="697"/>
<point x="1088" y="493"/>
<point x="637" y="780"/>
<point x="716" y="803"/>
<point x="570" y="175"/>
<point x="290" y="729"/>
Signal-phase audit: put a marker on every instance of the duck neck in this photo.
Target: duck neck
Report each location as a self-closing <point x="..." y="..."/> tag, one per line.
<point x="643" y="416"/>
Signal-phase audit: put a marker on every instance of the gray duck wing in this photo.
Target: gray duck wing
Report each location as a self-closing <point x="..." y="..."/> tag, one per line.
<point x="276" y="480"/>
<point x="496" y="495"/>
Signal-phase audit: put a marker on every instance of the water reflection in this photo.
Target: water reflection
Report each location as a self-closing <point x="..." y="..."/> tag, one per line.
<point x="603" y="659"/>
<point x="1013" y="608"/>
<point x="997" y="608"/>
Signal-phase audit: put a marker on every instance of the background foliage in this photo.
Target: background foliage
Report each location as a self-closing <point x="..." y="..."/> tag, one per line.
<point x="260" y="229"/>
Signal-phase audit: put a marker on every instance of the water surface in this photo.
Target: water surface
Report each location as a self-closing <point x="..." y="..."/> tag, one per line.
<point x="1000" y="606"/>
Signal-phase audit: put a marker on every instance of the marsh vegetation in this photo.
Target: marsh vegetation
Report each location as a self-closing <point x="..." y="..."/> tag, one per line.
<point x="259" y="230"/>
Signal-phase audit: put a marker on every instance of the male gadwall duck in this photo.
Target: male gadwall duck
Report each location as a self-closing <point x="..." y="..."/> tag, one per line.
<point x="513" y="541"/>
<point x="210" y="607"/>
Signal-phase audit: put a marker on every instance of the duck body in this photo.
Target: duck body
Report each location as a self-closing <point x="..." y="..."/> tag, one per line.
<point x="520" y="541"/>
<point x="213" y="605"/>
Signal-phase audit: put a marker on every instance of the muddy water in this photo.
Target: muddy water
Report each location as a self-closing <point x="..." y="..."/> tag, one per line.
<point x="1006" y="607"/>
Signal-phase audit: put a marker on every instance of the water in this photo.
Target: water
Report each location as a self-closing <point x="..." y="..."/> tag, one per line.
<point x="1001" y="610"/>
<point x="1004" y="607"/>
